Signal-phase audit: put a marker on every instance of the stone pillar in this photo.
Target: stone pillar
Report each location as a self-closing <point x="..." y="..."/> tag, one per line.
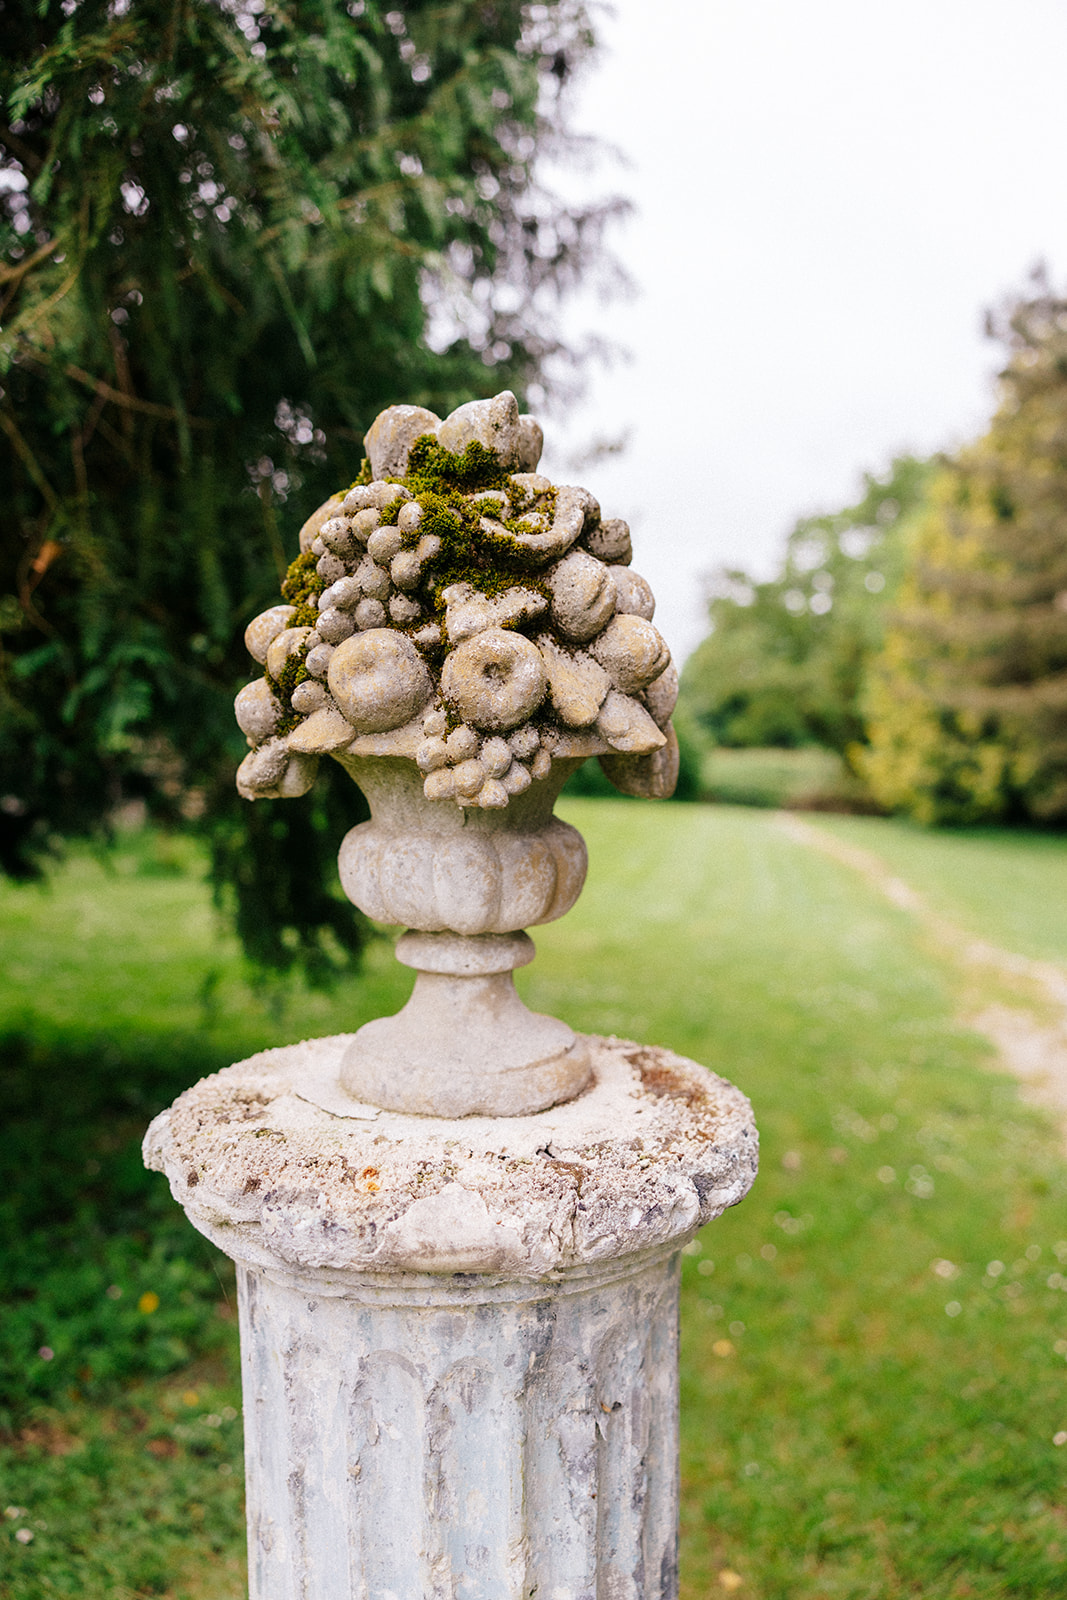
<point x="459" y="1338"/>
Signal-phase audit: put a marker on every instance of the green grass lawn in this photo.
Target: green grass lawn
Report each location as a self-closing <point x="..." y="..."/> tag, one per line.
<point x="868" y="1412"/>
<point x="1008" y="887"/>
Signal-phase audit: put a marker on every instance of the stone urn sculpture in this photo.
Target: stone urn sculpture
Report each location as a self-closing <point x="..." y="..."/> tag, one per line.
<point x="458" y="1231"/>
<point x="460" y="634"/>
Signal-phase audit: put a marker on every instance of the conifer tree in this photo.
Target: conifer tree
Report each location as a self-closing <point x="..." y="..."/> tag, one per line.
<point x="231" y="231"/>
<point x="967" y="701"/>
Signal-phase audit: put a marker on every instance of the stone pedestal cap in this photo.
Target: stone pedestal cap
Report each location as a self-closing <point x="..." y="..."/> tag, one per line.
<point x="274" y="1163"/>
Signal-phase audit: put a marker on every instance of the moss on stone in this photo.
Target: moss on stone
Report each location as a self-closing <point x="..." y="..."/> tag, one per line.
<point x="391" y="512"/>
<point x="303" y="583"/>
<point x="432" y="467"/>
<point x="491" y="559"/>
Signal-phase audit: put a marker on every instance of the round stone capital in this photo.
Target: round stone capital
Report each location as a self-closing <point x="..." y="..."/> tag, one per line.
<point x="274" y="1163"/>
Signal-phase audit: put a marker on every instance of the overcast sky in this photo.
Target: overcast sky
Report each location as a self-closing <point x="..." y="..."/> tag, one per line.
<point x="828" y="195"/>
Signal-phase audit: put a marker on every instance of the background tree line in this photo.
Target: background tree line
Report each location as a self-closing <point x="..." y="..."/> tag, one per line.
<point x="231" y="231"/>
<point x="921" y="634"/>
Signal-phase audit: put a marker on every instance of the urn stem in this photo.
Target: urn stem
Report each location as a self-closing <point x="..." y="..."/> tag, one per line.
<point x="465" y="1044"/>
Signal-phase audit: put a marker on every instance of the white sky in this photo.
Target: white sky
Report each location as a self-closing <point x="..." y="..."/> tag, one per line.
<point x="829" y="194"/>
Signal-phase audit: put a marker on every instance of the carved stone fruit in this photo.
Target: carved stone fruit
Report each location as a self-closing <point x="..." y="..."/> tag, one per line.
<point x="378" y="680"/>
<point x="494" y="680"/>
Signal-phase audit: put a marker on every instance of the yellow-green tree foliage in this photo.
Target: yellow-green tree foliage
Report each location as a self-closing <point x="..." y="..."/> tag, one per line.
<point x="967" y="699"/>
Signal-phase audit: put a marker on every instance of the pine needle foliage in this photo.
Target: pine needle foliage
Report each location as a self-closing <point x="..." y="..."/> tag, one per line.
<point x="967" y="701"/>
<point x="231" y="231"/>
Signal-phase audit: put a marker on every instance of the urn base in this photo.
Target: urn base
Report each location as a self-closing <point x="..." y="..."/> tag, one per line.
<point x="465" y="1044"/>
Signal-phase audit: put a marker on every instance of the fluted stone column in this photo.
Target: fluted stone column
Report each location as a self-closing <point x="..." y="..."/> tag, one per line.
<point x="459" y="1338"/>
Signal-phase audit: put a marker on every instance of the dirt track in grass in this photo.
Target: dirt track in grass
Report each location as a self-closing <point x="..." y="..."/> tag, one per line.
<point x="1017" y="1002"/>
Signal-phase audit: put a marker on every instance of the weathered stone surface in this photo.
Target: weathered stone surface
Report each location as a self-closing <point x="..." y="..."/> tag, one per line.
<point x="369" y="614"/>
<point x="632" y="653"/>
<point x="329" y="566"/>
<point x="577" y="684"/>
<point x="430" y="636"/>
<point x="285" y="644"/>
<point x="372" y="496"/>
<point x="661" y="696"/>
<point x="462" y="743"/>
<point x="272" y="773"/>
<point x="468" y="612"/>
<point x="405" y="569"/>
<point x="648" y="777"/>
<point x="431" y="755"/>
<point x="517" y="779"/>
<point x="511" y="1441"/>
<point x="492" y="796"/>
<point x="610" y="541"/>
<point x="524" y="741"/>
<point x="364" y="523"/>
<point x="433" y="867"/>
<point x="495" y="757"/>
<point x="583" y="595"/>
<point x="373" y="580"/>
<point x="391" y="436"/>
<point x="493" y="423"/>
<point x="465" y="1047"/>
<point x="541" y="764"/>
<point x="575" y="510"/>
<point x="495" y="679"/>
<point x="308" y="697"/>
<point x="384" y="543"/>
<point x="318" y="660"/>
<point x="335" y="626"/>
<point x="344" y="595"/>
<point x="654" y="1148"/>
<point x="264" y="629"/>
<point x="324" y="731"/>
<point x="258" y="710"/>
<point x="384" y="577"/>
<point x="634" y="593"/>
<point x="310" y="531"/>
<point x="455" y="1228"/>
<point x="528" y="483"/>
<point x="404" y="610"/>
<point x="336" y="535"/>
<point x="378" y="680"/>
<point x="468" y="778"/>
<point x="481" y="1313"/>
<point x="529" y="445"/>
<point x="627" y="726"/>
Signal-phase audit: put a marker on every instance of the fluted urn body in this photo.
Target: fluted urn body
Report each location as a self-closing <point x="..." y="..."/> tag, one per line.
<point x="437" y="868"/>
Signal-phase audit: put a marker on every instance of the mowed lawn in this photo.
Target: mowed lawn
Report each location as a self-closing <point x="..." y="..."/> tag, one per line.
<point x="874" y="1375"/>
